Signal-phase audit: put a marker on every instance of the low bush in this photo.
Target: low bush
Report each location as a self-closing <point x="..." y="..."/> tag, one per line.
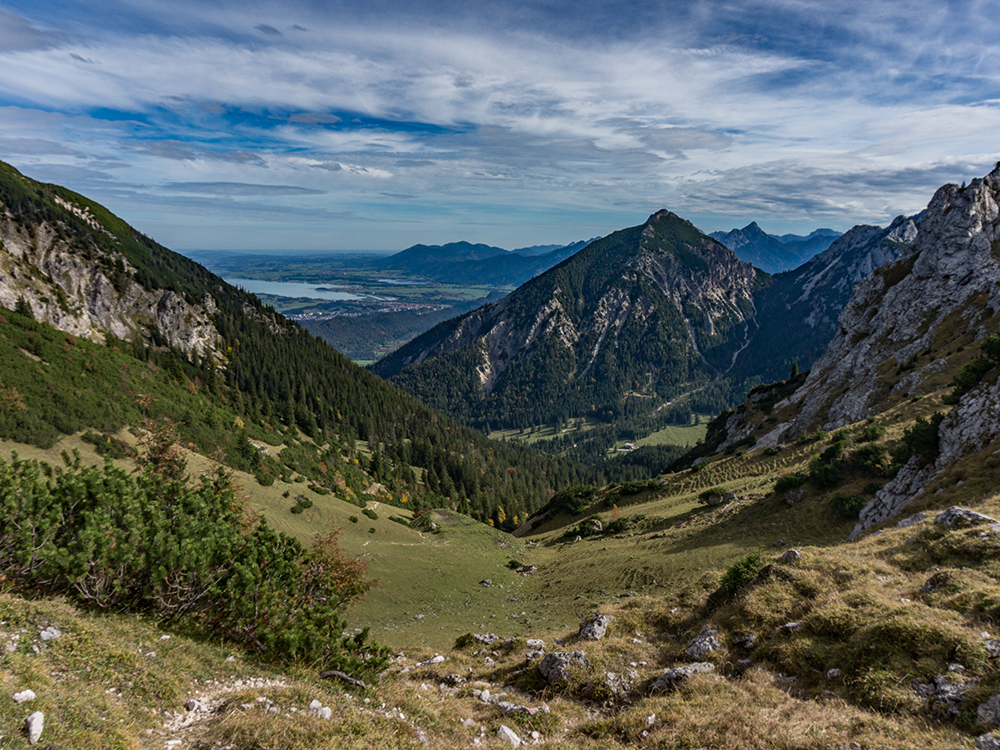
<point x="634" y="488"/>
<point x="871" y="432"/>
<point x="736" y="578"/>
<point x="790" y="482"/>
<point x="150" y="543"/>
<point x="712" y="496"/>
<point x="107" y="445"/>
<point x="848" y="506"/>
<point x="370" y="513"/>
<point x="301" y="503"/>
<point x="921" y="440"/>
<point x="872" y="459"/>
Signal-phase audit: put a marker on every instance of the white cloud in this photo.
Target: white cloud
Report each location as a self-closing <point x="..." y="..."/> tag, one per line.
<point x="529" y="119"/>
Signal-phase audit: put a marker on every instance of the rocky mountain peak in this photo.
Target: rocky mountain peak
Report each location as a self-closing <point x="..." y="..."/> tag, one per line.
<point x="897" y="312"/>
<point x="661" y="215"/>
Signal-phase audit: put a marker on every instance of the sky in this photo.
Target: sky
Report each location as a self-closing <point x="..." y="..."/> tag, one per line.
<point x="316" y="125"/>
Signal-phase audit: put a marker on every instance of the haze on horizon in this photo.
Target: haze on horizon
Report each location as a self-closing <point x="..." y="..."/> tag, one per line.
<point x="375" y="125"/>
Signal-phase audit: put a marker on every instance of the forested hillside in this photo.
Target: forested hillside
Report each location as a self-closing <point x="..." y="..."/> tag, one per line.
<point x="252" y="369"/>
<point x="649" y="327"/>
<point x="649" y="311"/>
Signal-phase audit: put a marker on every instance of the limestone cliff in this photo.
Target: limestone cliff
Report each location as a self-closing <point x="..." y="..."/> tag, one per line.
<point x="88" y="288"/>
<point x="948" y="276"/>
<point x="903" y="333"/>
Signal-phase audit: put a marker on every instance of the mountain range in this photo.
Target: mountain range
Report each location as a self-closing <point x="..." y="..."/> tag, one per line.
<point x="642" y="318"/>
<point x="774" y="253"/>
<point x="476" y="264"/>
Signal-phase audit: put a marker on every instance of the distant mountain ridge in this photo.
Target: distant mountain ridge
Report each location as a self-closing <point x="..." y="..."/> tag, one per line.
<point x="477" y="264"/>
<point x="772" y="253"/>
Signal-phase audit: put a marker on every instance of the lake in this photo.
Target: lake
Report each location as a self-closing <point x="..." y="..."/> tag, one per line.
<point x="297" y="289"/>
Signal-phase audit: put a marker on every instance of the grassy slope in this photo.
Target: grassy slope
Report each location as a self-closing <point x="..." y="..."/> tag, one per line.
<point x="438" y="575"/>
<point x="846" y="597"/>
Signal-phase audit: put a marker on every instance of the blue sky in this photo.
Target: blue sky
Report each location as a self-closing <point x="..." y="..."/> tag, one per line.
<point x="314" y="125"/>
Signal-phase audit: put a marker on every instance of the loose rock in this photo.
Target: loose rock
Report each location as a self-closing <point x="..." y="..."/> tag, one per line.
<point x="943" y="694"/>
<point x="509" y="736"/>
<point x="912" y="520"/>
<point x="989" y="712"/>
<point x="50" y="633"/>
<point x="555" y="667"/>
<point x="24" y="695"/>
<point x="671" y="678"/>
<point x="704" y="643"/>
<point x="962" y="517"/>
<point x="34" y="725"/>
<point x="436" y="659"/>
<point x="790" y="557"/>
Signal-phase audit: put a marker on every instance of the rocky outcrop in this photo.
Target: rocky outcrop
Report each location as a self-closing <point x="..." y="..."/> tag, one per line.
<point x="895" y="314"/>
<point x="594" y="627"/>
<point x="704" y="643"/>
<point x="92" y="293"/>
<point x="557" y="666"/>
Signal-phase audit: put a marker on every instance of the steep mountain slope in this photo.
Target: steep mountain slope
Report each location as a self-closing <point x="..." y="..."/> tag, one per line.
<point x="68" y="262"/>
<point x="771" y="253"/>
<point x="944" y="288"/>
<point x="797" y="311"/>
<point x="912" y="329"/>
<point x="647" y="310"/>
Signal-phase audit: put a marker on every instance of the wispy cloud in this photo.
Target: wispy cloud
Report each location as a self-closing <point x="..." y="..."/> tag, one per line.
<point x="517" y="118"/>
<point x="239" y="188"/>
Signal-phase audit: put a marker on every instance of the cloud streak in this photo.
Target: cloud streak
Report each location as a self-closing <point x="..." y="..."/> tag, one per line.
<point x="526" y="120"/>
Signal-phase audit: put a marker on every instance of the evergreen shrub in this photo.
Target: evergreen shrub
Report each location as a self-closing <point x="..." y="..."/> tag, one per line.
<point x="151" y="543"/>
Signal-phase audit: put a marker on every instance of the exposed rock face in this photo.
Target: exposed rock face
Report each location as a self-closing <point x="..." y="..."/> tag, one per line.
<point x="948" y="277"/>
<point x="66" y="288"/>
<point x="895" y="313"/>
